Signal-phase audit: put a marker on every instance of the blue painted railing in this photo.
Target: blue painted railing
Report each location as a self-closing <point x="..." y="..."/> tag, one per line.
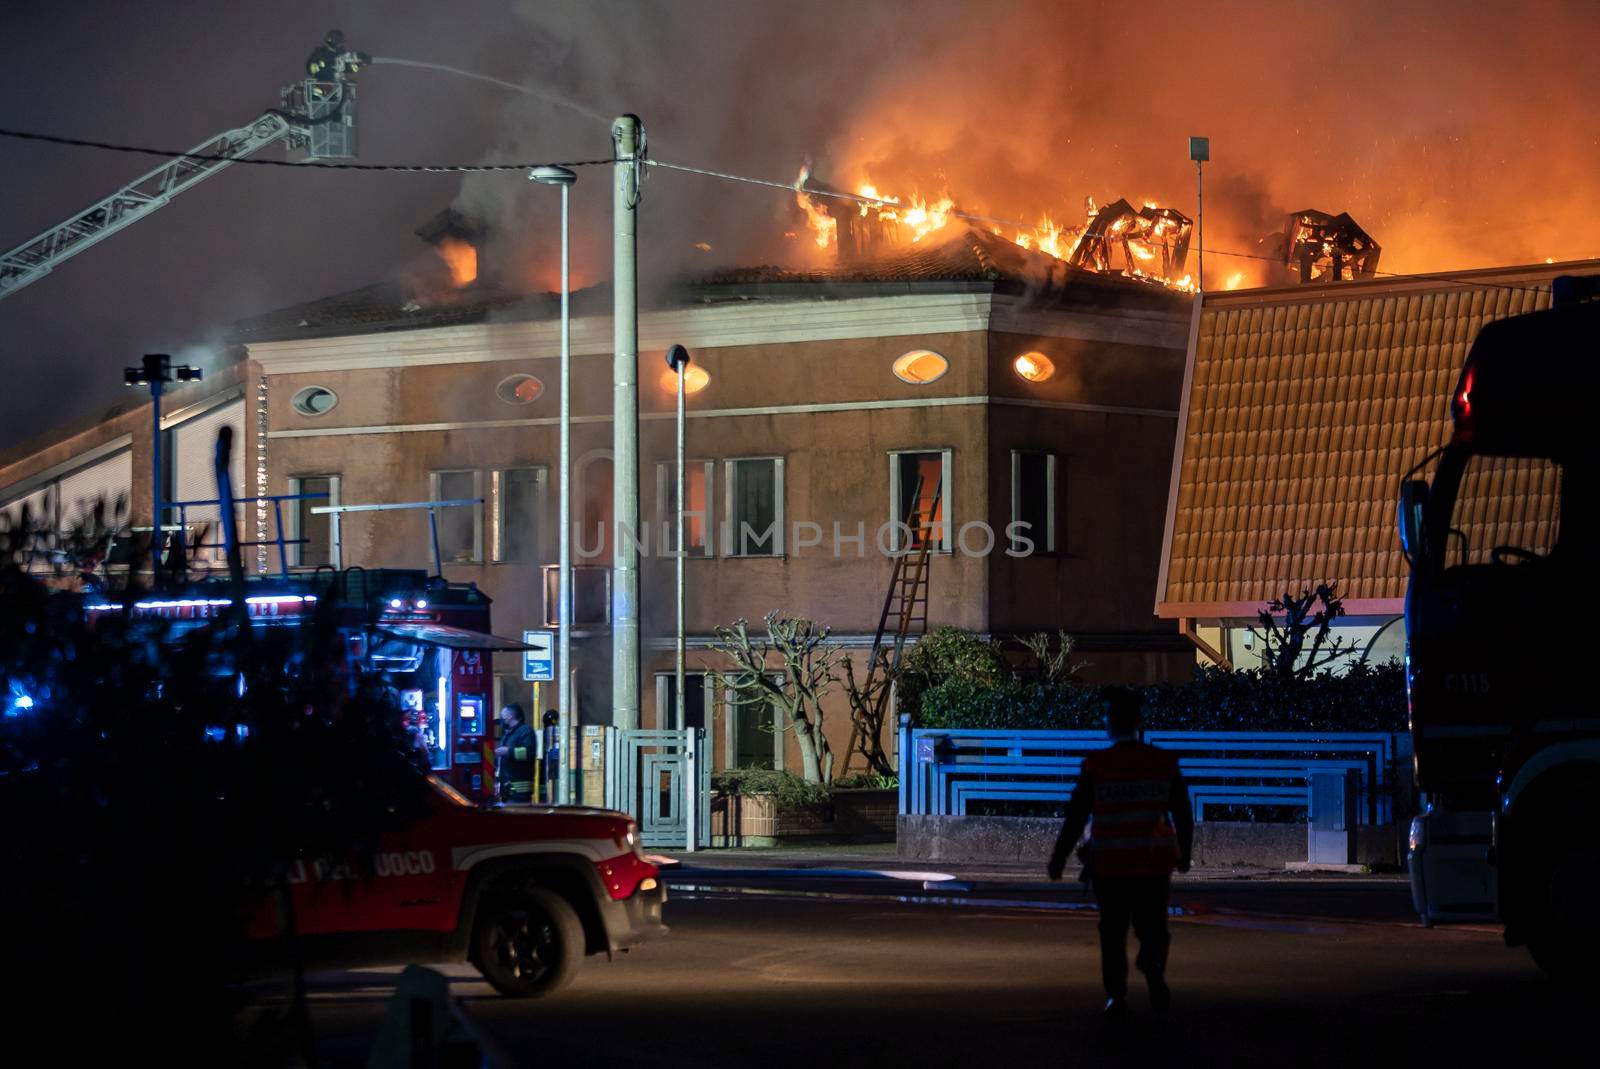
<point x="942" y="771"/>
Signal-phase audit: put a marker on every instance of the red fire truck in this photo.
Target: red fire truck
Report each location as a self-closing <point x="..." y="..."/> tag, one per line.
<point x="429" y="638"/>
<point x="521" y="892"/>
<point x="1503" y="711"/>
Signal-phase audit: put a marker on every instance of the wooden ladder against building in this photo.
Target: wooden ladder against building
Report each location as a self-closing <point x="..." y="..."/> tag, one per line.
<point x="905" y="612"/>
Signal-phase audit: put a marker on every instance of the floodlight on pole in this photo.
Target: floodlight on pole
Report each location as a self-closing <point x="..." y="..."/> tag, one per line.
<point x="155" y="371"/>
<point x="1200" y="153"/>
<point x="564" y="177"/>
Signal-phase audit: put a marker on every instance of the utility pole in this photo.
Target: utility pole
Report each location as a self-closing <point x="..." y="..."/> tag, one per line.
<point x="627" y="138"/>
<point x="155" y="371"/>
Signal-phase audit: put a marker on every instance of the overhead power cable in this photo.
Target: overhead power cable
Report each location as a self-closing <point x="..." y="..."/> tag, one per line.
<point x="261" y="161"/>
<point x="787" y="187"/>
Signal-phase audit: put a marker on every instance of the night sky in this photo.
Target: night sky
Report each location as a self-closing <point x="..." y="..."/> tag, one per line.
<point x="1457" y="138"/>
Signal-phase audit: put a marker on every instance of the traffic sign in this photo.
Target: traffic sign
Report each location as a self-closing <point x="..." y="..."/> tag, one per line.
<point x="539" y="663"/>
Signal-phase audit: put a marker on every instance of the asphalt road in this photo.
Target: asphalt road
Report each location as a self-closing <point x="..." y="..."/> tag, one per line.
<point x="775" y="979"/>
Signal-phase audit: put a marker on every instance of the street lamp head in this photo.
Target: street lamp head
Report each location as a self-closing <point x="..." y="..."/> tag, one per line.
<point x="677" y="357"/>
<point x="553" y="176"/>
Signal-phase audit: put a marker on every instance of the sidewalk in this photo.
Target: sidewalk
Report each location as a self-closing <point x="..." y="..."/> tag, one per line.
<point x="881" y="858"/>
<point x="1217" y="895"/>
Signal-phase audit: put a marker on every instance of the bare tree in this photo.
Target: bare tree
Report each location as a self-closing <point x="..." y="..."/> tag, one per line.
<point x="804" y="672"/>
<point x="1285" y="653"/>
<point x="868" y="707"/>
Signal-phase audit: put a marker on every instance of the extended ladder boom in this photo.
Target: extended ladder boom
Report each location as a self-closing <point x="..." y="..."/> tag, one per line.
<point x="319" y="117"/>
<point x="34" y="259"/>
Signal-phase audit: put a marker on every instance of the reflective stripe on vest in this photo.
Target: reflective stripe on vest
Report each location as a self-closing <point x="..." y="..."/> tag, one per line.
<point x="1130" y="833"/>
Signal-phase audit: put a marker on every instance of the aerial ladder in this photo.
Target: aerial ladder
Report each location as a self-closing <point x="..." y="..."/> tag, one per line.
<point x="316" y="122"/>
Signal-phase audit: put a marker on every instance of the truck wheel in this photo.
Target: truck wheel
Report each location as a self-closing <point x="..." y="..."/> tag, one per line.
<point x="529" y="944"/>
<point x="1566" y="943"/>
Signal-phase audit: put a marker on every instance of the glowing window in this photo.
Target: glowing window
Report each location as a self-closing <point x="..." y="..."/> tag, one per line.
<point x="314" y="401"/>
<point x="695" y="379"/>
<point x="1034" y="366"/>
<point x="920" y="367"/>
<point x="519" y="389"/>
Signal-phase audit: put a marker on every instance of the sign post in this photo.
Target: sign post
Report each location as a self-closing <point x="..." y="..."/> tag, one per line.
<point x="539" y="661"/>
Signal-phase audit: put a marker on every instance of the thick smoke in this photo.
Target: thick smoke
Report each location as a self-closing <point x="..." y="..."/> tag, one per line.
<point x="1457" y="137"/>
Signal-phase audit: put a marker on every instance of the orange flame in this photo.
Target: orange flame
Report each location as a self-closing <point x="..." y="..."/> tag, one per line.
<point x="817" y="217"/>
<point x="462" y="259"/>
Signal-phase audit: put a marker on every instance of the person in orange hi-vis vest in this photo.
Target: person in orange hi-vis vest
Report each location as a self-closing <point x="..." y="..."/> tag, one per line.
<point x="1133" y="798"/>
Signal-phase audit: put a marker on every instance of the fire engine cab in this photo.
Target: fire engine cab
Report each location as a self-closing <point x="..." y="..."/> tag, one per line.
<point x="1503" y="711"/>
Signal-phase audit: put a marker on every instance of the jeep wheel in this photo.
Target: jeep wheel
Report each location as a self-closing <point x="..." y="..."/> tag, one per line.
<point x="529" y="944"/>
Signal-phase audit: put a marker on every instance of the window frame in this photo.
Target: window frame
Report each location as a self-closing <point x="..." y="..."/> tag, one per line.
<point x="897" y="504"/>
<point x="723" y="699"/>
<point x="732" y="543"/>
<point x="666" y="487"/>
<point x="435" y="478"/>
<point x="1052" y="539"/>
<point x="495" y="501"/>
<point x="296" y="551"/>
<point x="665" y="679"/>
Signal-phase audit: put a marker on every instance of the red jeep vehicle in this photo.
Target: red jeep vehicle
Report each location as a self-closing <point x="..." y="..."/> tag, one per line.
<point x="521" y="892"/>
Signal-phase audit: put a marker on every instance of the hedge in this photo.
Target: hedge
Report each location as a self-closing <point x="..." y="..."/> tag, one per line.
<point x="1364" y="698"/>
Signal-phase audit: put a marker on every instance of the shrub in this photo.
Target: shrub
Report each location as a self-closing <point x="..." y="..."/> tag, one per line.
<point x="1365" y="698"/>
<point x="949" y="654"/>
<point x="866" y="781"/>
<point x="788" y="790"/>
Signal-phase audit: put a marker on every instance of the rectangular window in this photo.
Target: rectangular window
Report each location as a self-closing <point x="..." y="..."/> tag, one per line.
<point x="696" y="707"/>
<point x="517" y="504"/>
<point x="755" y="738"/>
<point x="1033" y="500"/>
<point x="699" y="475"/>
<point x="919" y="498"/>
<point x="314" y="528"/>
<point x="460" y="527"/>
<point x="754" y="494"/>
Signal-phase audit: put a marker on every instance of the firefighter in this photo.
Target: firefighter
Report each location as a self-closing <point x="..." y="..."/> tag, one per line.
<point x="1134" y="800"/>
<point x="515" y="756"/>
<point x="552" y="754"/>
<point x="324" y="62"/>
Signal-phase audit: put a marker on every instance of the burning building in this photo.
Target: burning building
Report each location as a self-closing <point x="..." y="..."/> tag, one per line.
<point x="1003" y="382"/>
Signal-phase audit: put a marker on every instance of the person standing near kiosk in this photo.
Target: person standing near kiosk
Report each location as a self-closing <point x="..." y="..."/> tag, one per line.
<point x="515" y="757"/>
<point x="552" y="755"/>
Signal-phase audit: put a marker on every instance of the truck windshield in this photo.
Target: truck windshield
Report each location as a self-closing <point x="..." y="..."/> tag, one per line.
<point x="1507" y="510"/>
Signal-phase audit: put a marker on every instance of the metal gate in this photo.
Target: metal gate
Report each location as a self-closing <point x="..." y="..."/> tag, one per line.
<point x="649" y="775"/>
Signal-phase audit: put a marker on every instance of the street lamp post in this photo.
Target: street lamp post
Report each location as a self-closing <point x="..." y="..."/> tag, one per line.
<point x="154" y="371"/>
<point x="564" y="177"/>
<point x="678" y="361"/>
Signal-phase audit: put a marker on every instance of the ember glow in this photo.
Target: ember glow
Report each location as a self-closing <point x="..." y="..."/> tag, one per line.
<point x="462" y="259"/>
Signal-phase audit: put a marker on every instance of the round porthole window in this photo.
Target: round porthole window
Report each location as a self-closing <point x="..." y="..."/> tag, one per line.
<point x="1034" y="366"/>
<point x="695" y="379"/>
<point x="314" y="401"/>
<point x="920" y="367"/>
<point x="519" y="389"/>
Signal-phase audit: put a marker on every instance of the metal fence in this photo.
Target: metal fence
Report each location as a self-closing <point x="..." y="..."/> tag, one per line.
<point x="943" y="771"/>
